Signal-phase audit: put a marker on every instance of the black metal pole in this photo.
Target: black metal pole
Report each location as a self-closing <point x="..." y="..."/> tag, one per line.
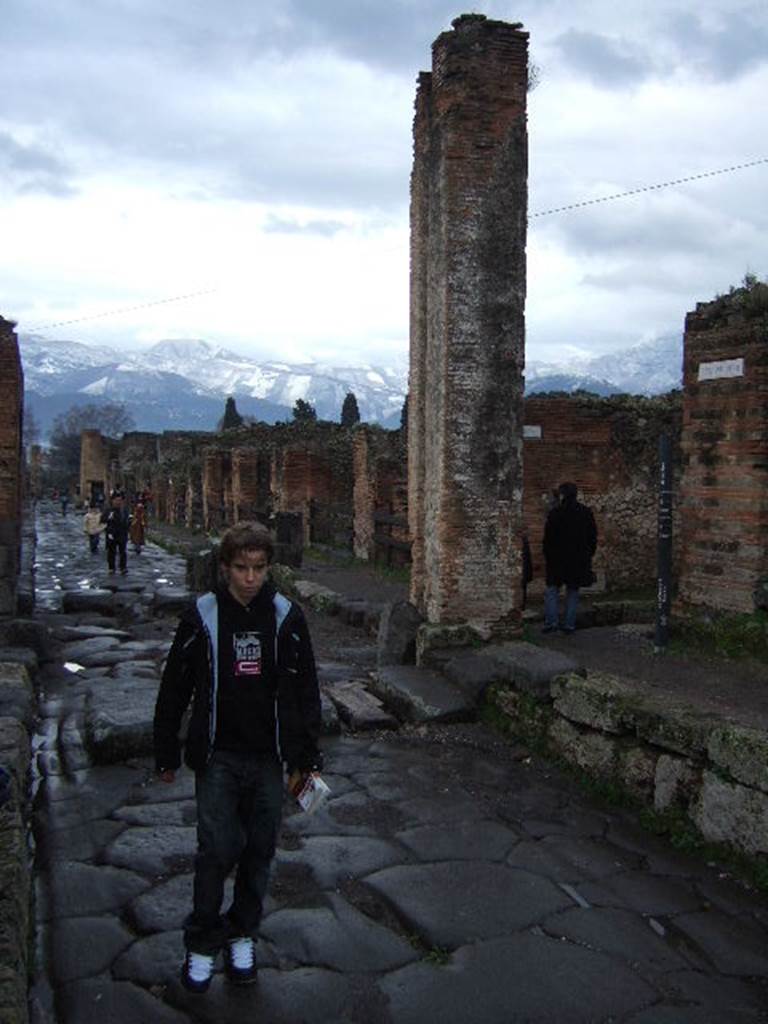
<point x="664" y="546"/>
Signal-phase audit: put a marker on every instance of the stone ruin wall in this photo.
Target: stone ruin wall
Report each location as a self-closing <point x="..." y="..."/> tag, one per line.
<point x="609" y="448"/>
<point x="380" y="489"/>
<point x="11" y="466"/>
<point x="724" y="490"/>
<point x="468" y="273"/>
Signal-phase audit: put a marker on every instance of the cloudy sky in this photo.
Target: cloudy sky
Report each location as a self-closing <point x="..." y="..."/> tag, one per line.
<point x="255" y="157"/>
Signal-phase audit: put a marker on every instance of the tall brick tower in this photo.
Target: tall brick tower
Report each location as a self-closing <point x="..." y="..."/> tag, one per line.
<point x="724" y="487"/>
<point x="468" y="235"/>
<point x="11" y="469"/>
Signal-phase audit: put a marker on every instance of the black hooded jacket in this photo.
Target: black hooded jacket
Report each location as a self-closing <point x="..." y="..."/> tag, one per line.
<point x="191" y="674"/>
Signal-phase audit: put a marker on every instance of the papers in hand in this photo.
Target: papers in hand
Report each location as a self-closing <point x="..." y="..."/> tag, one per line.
<point x="313" y="793"/>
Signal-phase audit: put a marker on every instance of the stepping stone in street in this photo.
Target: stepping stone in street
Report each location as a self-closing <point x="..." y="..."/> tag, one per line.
<point x="358" y="708"/>
<point x="422" y="695"/>
<point x="102" y="601"/>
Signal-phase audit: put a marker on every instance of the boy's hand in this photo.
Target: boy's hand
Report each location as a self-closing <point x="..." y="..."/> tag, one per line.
<point x="167" y="775"/>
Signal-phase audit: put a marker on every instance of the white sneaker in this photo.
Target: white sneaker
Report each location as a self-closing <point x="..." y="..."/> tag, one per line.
<point x="240" y="960"/>
<point x="197" y="971"/>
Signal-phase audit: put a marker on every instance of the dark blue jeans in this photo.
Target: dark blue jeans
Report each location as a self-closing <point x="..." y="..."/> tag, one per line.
<point x="239" y="809"/>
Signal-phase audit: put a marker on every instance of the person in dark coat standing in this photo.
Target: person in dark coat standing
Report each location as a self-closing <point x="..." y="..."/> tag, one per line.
<point x="570" y="541"/>
<point x="116" y="522"/>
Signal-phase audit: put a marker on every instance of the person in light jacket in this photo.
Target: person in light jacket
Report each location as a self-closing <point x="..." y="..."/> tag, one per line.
<point x="93" y="527"/>
<point x="243" y="656"/>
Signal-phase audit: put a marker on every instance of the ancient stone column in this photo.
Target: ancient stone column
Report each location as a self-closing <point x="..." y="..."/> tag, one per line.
<point x="724" y="488"/>
<point x="94" y="466"/>
<point x="245" y="482"/>
<point x="11" y="469"/>
<point x="468" y="234"/>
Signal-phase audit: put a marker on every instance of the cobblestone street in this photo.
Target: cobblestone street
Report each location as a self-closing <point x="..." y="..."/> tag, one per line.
<point x="452" y="876"/>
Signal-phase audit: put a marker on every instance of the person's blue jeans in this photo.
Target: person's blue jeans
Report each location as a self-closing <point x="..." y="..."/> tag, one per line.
<point x="551" y="609"/>
<point x="239" y="809"/>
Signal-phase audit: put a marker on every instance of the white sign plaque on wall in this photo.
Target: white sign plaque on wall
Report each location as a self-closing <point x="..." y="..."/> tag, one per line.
<point x="721" y="368"/>
<point x="531" y="431"/>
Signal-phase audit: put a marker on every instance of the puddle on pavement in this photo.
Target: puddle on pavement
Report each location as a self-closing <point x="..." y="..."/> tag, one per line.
<point x="72" y="666"/>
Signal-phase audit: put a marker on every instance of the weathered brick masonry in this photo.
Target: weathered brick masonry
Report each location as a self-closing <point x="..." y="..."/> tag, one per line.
<point x="724" y="490"/>
<point x="468" y="232"/>
<point x="11" y="471"/>
<point x="380" y="495"/>
<point x="609" y="448"/>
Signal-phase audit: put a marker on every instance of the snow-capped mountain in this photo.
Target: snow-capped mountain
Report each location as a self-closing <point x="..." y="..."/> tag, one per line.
<point x="183" y="384"/>
<point x="649" y="368"/>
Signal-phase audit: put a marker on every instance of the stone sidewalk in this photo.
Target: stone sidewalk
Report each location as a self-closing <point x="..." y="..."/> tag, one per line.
<point x="451" y="876"/>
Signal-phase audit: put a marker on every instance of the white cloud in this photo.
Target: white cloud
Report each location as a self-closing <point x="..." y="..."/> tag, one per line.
<point x="155" y="148"/>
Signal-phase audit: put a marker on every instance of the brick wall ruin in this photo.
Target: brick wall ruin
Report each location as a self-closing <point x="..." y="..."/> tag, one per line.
<point x="724" y="489"/>
<point x="11" y="465"/>
<point x="468" y="233"/>
<point x="608" y="447"/>
<point x="380" y="496"/>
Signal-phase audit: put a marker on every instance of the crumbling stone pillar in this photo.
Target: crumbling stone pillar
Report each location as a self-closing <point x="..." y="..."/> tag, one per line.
<point x="94" y="466"/>
<point x="11" y="466"/>
<point x="245" y="483"/>
<point x="363" y="497"/>
<point x="468" y="234"/>
<point x="213" y="488"/>
<point x="724" y="489"/>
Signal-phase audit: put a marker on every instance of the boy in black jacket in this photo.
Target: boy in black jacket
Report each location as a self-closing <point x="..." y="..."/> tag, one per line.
<point x="243" y="656"/>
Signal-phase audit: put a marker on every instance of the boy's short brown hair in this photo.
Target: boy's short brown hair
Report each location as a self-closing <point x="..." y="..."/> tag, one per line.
<point x="245" y="537"/>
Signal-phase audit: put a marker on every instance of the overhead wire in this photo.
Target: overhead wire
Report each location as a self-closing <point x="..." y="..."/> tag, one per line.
<point x="538" y="213"/>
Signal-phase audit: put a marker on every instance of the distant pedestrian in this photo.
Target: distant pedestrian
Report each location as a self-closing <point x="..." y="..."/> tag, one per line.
<point x="138" y="527"/>
<point x="64" y="499"/>
<point x="116" y="522"/>
<point x="570" y="541"/>
<point x="243" y="656"/>
<point x="93" y="526"/>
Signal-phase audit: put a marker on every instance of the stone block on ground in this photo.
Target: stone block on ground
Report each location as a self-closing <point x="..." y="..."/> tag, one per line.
<point x="119" y="721"/>
<point x="28" y="633"/>
<point x="358" y="708"/>
<point x="171" y="601"/>
<point x="600" y="700"/>
<point x="398" y="626"/>
<point x="101" y="601"/>
<point x="421" y="695"/>
<point x="741" y="752"/>
<point x="726" y="812"/>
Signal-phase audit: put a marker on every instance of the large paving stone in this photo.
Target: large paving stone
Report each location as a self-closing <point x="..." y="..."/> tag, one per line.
<point x="68" y="634"/>
<point x="115" y="1002"/>
<point x="81" y="649"/>
<point x="165" y="906"/>
<point x="171" y="600"/>
<point x="79" y="843"/>
<point x="154" y="850"/>
<point x="464" y="841"/>
<point x="182" y="812"/>
<point x="421" y="695"/>
<point x="544" y="981"/>
<point x="332" y="859"/>
<point x="452" y="903"/>
<point x="307" y="995"/>
<point x="736" y="946"/>
<point x="78" y="890"/>
<point x="645" y="893"/>
<point x="85" y="946"/>
<point x="627" y="937"/>
<point x="336" y="936"/>
<point x="100" y="601"/>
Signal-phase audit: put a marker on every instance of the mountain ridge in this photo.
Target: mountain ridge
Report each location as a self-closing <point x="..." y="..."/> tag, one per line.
<point x="183" y="383"/>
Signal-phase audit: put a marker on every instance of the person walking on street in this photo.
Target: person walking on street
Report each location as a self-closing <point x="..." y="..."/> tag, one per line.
<point x="138" y="527"/>
<point x="243" y="656"/>
<point x="64" y="499"/>
<point x="93" y="527"/>
<point x="570" y="541"/>
<point x="116" y="521"/>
